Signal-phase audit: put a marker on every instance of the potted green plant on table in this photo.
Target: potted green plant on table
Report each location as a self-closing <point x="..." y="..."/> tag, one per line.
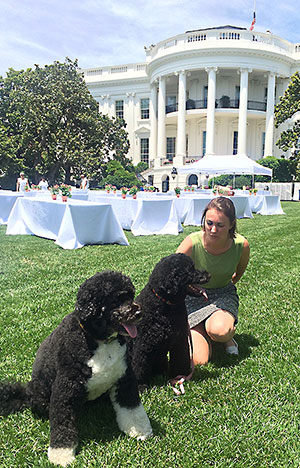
<point x="65" y="191"/>
<point x="177" y="191"/>
<point x="54" y="191"/>
<point x="133" y="191"/>
<point x="124" y="191"/>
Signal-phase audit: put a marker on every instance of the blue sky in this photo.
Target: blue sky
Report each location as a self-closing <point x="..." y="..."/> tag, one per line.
<point x="111" y="32"/>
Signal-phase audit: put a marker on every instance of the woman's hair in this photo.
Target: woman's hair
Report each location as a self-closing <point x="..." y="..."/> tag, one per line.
<point x="225" y="206"/>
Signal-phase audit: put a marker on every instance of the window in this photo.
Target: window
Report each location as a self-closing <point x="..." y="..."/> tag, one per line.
<point x="145" y="108"/>
<point x="120" y="109"/>
<point x="204" y="143"/>
<point x="171" y="141"/>
<point x="235" y="143"/>
<point x="171" y="104"/>
<point x="263" y="140"/>
<point x="145" y="150"/>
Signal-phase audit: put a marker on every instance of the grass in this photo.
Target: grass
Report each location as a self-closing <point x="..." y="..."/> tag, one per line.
<point x="237" y="412"/>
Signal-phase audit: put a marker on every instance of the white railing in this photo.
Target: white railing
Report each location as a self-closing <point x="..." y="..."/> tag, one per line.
<point x="134" y="68"/>
<point x="205" y="38"/>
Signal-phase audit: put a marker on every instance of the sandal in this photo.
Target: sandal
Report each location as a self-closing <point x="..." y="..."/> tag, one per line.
<point x="232" y="349"/>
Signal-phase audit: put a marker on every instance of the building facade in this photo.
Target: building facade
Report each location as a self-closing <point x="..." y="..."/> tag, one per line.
<point x="209" y="91"/>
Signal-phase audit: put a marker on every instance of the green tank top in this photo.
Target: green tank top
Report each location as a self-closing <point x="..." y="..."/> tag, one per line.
<point x="221" y="267"/>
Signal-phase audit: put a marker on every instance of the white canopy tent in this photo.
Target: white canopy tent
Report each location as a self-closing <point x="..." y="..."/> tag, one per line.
<point x="231" y="164"/>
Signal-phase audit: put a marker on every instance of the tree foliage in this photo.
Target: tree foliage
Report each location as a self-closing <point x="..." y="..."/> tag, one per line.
<point x="50" y="125"/>
<point x="118" y="176"/>
<point x="288" y="106"/>
<point x="284" y="170"/>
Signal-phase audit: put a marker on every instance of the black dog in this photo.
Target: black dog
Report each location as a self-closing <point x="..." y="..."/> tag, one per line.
<point x="164" y="327"/>
<point x="85" y="356"/>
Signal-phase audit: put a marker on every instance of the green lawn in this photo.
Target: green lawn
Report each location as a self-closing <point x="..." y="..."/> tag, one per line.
<point x="240" y="412"/>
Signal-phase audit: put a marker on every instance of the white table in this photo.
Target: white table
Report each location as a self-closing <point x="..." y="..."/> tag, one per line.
<point x="72" y="224"/>
<point x="270" y="205"/>
<point x="124" y="209"/>
<point x="157" y="216"/>
<point x="145" y="215"/>
<point x="7" y="201"/>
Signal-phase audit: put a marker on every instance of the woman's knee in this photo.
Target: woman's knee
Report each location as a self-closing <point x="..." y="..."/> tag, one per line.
<point x="220" y="326"/>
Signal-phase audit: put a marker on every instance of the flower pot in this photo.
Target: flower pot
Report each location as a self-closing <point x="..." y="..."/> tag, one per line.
<point x="54" y="196"/>
<point x="124" y="195"/>
<point x="134" y="197"/>
<point x="177" y="195"/>
<point x="64" y="198"/>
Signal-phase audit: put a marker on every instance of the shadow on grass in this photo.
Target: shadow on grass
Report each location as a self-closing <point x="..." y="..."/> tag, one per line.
<point x="97" y="422"/>
<point x="221" y="359"/>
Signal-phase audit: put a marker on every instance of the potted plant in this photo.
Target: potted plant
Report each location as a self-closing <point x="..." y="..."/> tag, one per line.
<point x="177" y="190"/>
<point x="133" y="191"/>
<point x="65" y="191"/>
<point x="54" y="191"/>
<point x="254" y="191"/>
<point x="124" y="191"/>
<point x="108" y="188"/>
<point x="215" y="190"/>
<point x="26" y="188"/>
<point x="114" y="189"/>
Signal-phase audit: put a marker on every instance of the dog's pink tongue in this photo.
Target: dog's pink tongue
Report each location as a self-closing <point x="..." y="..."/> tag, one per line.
<point x="131" y="330"/>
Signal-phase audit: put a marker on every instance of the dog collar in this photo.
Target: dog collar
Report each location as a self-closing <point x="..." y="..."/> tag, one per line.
<point x="162" y="298"/>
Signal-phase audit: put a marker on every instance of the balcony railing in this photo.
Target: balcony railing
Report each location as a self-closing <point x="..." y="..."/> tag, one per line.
<point x="222" y="103"/>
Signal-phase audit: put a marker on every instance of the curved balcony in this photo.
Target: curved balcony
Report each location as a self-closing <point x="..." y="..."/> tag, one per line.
<point x="223" y="103"/>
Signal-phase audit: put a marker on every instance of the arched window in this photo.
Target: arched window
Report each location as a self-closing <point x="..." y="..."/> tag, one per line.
<point x="193" y="180"/>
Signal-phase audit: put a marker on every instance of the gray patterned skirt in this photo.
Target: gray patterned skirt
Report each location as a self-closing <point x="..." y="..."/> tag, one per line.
<point x="199" y="309"/>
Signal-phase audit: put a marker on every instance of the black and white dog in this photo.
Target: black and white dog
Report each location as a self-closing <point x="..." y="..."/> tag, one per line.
<point x="84" y="357"/>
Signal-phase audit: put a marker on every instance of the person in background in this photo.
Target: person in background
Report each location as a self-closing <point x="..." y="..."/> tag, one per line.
<point x="225" y="255"/>
<point x="43" y="184"/>
<point x="84" y="182"/>
<point x="21" y="182"/>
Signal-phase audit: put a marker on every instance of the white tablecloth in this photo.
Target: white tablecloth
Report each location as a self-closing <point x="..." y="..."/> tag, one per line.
<point x="157" y="216"/>
<point x="7" y="201"/>
<point x="125" y="210"/>
<point x="270" y="205"/>
<point x="145" y="215"/>
<point x="72" y="224"/>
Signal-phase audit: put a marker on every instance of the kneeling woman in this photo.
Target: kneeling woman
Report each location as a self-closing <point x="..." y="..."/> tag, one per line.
<point x="225" y="255"/>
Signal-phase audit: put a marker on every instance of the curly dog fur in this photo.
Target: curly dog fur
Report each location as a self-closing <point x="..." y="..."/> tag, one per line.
<point x="85" y="356"/>
<point x="164" y="327"/>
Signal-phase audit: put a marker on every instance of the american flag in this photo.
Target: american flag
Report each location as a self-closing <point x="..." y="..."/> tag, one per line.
<point x="253" y="22"/>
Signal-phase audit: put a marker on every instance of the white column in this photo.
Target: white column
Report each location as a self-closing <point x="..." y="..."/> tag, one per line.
<point x="270" y="116"/>
<point x="105" y="103"/>
<point x="210" y="121"/>
<point x="161" y="121"/>
<point x="153" y="122"/>
<point x="181" y="137"/>
<point x="242" y="127"/>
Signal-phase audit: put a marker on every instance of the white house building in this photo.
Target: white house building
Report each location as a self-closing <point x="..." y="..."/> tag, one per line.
<point x="208" y="91"/>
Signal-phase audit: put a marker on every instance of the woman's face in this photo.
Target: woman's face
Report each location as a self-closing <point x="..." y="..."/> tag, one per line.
<point x="217" y="225"/>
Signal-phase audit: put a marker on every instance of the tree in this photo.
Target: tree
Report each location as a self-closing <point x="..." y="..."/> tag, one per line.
<point x="284" y="170"/>
<point x="50" y="125"/>
<point x="118" y="176"/>
<point x="287" y="107"/>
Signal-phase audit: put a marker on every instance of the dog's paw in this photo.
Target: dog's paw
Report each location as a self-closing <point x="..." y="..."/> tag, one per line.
<point x="61" y="456"/>
<point x="145" y="436"/>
